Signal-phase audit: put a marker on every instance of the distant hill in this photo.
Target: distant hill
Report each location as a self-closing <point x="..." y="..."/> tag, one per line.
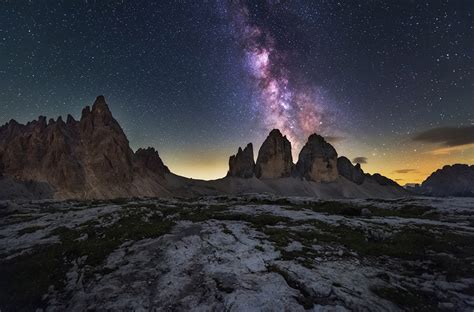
<point x="455" y="180"/>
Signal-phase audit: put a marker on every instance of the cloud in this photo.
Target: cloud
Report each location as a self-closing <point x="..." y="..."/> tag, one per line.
<point x="450" y="150"/>
<point x="405" y="170"/>
<point x="447" y="136"/>
<point x="334" y="139"/>
<point x="360" y="160"/>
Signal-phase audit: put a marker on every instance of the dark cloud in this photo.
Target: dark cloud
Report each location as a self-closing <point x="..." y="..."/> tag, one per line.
<point x="447" y="136"/>
<point x="405" y="170"/>
<point x="360" y="160"/>
<point x="334" y="139"/>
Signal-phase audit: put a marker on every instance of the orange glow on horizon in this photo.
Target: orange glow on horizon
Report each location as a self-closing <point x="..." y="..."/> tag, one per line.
<point x="406" y="163"/>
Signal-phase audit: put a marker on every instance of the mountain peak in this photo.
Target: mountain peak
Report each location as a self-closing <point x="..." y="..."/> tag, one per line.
<point x="275" y="132"/>
<point x="242" y="164"/>
<point x="274" y="157"/>
<point x="85" y="112"/>
<point x="451" y="180"/>
<point x="70" y="119"/>
<point x="100" y="106"/>
<point x="149" y="159"/>
<point x="317" y="160"/>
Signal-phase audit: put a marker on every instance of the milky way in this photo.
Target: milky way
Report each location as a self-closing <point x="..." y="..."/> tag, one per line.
<point x="196" y="79"/>
<point x="296" y="108"/>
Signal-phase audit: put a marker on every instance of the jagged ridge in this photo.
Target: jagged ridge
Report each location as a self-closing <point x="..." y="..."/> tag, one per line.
<point x="91" y="158"/>
<point x="86" y="158"/>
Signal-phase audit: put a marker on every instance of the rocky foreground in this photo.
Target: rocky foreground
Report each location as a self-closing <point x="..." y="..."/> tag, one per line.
<point x="249" y="253"/>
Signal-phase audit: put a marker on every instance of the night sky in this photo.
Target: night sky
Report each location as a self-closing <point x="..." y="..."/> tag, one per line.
<point x="389" y="83"/>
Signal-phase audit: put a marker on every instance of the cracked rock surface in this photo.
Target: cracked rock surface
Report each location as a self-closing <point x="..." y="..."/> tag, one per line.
<point x="245" y="253"/>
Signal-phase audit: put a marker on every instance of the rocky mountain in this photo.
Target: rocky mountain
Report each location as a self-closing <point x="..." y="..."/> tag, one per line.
<point x="455" y="180"/>
<point x="317" y="160"/>
<point x="356" y="174"/>
<point x="77" y="158"/>
<point x="274" y="157"/>
<point x="380" y="179"/>
<point x="149" y="159"/>
<point x="242" y="164"/>
<point x="91" y="158"/>
<point x="349" y="171"/>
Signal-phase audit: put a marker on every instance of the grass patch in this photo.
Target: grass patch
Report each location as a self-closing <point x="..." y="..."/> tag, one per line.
<point x="422" y="243"/>
<point x="407" y="211"/>
<point x="268" y="201"/>
<point x="217" y="212"/>
<point x="141" y="205"/>
<point x="26" y="278"/>
<point x="408" y="299"/>
<point x="30" y="229"/>
<point x="352" y="210"/>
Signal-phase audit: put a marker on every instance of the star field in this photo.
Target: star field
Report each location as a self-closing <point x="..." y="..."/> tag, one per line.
<point x="196" y="79"/>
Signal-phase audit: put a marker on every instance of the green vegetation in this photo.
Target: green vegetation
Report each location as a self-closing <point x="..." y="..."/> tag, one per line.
<point x="348" y="209"/>
<point x="407" y="211"/>
<point x="421" y="243"/>
<point x="268" y="201"/>
<point x="352" y="210"/>
<point x="407" y="299"/>
<point x="30" y="229"/>
<point x="18" y="218"/>
<point x="218" y="212"/>
<point x="26" y="278"/>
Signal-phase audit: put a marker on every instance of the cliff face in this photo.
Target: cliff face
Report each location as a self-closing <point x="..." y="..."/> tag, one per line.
<point x="104" y="149"/>
<point x="242" y="164"/>
<point x="42" y="152"/>
<point x="350" y="172"/>
<point x="149" y="159"/>
<point x="86" y="158"/>
<point x="317" y="160"/>
<point x="274" y="157"/>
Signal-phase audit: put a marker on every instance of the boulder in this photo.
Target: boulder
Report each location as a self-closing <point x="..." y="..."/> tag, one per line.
<point x="317" y="160"/>
<point x="274" y="157"/>
<point x="242" y="164"/>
